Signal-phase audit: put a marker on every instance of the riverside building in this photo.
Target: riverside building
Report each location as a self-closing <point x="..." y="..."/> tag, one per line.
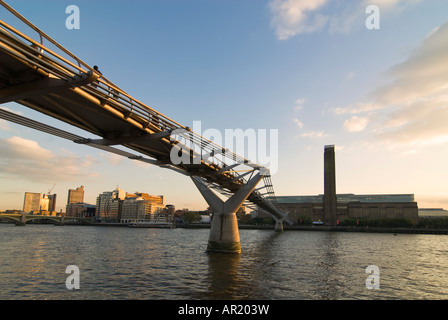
<point x="76" y="195"/>
<point x="80" y="210"/>
<point x="32" y="202"/>
<point x="332" y="208"/>
<point x="108" y="205"/>
<point x="370" y="206"/>
<point x="39" y="203"/>
<point x="123" y="207"/>
<point x="141" y="207"/>
<point x="75" y="204"/>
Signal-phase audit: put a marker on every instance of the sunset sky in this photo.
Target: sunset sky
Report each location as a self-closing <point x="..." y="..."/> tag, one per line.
<point x="310" y="69"/>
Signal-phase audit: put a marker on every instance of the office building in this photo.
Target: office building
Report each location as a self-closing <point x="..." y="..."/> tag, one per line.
<point x="141" y="207"/>
<point x="76" y="195"/>
<point x="80" y="210"/>
<point x="108" y="205"/>
<point x="39" y="203"/>
<point x="120" y="206"/>
<point x="44" y="203"/>
<point x="32" y="202"/>
<point x="52" y="202"/>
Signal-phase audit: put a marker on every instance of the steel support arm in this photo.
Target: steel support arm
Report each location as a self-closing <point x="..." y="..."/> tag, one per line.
<point x="126" y="139"/>
<point x="43" y="86"/>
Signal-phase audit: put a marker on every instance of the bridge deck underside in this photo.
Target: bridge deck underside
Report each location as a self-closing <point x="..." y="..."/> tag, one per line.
<point x="97" y="116"/>
<point x="101" y="116"/>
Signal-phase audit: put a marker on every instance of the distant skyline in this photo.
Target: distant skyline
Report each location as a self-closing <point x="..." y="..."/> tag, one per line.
<point x="307" y="68"/>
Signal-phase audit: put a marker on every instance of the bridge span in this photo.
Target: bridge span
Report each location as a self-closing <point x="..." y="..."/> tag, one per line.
<point x="21" y="218"/>
<point x="39" y="73"/>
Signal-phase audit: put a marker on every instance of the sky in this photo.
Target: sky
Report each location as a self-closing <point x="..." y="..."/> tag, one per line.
<point x="315" y="71"/>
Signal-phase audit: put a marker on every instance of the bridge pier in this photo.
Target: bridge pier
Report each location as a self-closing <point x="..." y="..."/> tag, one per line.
<point x="279" y="225"/>
<point x="61" y="221"/>
<point x="224" y="233"/>
<point x="22" y="221"/>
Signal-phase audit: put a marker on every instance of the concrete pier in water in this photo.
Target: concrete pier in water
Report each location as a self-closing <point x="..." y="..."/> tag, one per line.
<point x="224" y="233"/>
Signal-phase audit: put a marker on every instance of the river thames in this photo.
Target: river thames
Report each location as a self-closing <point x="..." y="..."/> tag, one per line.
<point x="171" y="264"/>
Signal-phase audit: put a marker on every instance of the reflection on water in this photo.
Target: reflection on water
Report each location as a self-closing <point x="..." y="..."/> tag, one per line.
<point x="124" y="263"/>
<point x="223" y="276"/>
<point x="327" y="269"/>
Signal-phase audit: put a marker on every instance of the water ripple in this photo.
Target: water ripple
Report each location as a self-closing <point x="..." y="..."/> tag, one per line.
<point x="124" y="263"/>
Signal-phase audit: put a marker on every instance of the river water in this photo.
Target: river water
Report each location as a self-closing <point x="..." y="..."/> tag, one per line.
<point x="127" y="263"/>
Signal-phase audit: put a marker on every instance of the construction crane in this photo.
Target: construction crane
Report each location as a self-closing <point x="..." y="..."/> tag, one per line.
<point x="49" y="191"/>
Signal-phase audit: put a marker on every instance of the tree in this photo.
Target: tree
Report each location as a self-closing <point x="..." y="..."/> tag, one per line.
<point x="304" y="221"/>
<point x="190" y="217"/>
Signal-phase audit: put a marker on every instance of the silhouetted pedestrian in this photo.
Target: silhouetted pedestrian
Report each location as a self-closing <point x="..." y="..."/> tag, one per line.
<point x="98" y="71"/>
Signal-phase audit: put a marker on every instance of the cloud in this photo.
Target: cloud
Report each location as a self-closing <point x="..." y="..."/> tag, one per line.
<point x="4" y="125"/>
<point x="356" y="124"/>
<point x="293" y="17"/>
<point x="299" y="104"/>
<point x="358" y="108"/>
<point x="350" y="75"/>
<point x="112" y="158"/>
<point x="10" y="110"/>
<point x="309" y="134"/>
<point x="412" y="107"/>
<point x="416" y="100"/>
<point x="298" y="123"/>
<point x="313" y="134"/>
<point x="25" y="159"/>
<point x="390" y="4"/>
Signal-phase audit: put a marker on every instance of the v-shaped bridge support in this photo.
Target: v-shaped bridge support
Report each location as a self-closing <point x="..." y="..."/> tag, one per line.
<point x="224" y="234"/>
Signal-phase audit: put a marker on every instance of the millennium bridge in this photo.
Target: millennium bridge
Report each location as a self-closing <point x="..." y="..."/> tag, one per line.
<point x="38" y="73"/>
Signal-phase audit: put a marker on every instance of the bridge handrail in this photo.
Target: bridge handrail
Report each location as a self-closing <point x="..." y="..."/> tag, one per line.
<point x="41" y="34"/>
<point x="80" y="63"/>
<point x="115" y="94"/>
<point x="71" y="67"/>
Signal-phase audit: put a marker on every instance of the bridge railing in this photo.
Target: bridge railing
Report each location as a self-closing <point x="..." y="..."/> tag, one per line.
<point x="61" y="63"/>
<point x="66" y="65"/>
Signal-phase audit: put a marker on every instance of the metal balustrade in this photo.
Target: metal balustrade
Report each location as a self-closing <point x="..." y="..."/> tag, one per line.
<point x="64" y="65"/>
